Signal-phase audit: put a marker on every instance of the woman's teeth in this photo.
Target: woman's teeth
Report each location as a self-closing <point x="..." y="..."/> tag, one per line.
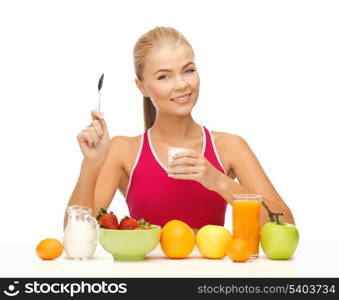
<point x="181" y="99"/>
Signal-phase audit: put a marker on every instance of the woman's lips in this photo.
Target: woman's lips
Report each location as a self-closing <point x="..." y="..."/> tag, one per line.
<point x="182" y="99"/>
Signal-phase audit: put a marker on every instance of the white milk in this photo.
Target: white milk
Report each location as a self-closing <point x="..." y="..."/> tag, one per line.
<point x="80" y="240"/>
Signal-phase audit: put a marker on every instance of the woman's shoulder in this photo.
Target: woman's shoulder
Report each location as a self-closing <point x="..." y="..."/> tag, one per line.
<point x="124" y="149"/>
<point x="226" y="137"/>
<point x="227" y="145"/>
<point x="228" y="141"/>
<point x="125" y="141"/>
<point x="126" y="146"/>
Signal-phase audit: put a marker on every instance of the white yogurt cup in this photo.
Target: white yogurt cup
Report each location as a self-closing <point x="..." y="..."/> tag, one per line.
<point x="174" y="150"/>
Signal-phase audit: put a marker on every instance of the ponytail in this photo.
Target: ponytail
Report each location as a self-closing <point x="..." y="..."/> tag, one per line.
<point x="149" y="113"/>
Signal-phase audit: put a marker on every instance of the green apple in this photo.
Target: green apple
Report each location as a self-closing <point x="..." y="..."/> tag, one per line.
<point x="278" y="240"/>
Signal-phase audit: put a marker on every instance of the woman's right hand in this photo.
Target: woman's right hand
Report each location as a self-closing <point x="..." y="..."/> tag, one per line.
<point x="94" y="139"/>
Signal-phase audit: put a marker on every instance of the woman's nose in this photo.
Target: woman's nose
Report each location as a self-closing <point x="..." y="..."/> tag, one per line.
<point x="179" y="82"/>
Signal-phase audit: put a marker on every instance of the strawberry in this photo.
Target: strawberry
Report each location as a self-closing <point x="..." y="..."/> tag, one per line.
<point x="128" y="223"/>
<point x="143" y="224"/>
<point x="107" y="220"/>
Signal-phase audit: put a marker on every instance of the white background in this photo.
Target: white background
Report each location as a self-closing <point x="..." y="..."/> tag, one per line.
<point x="269" y="73"/>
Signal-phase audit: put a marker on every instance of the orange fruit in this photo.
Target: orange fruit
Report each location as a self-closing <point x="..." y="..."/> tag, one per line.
<point x="228" y="245"/>
<point x="49" y="249"/>
<point x="239" y="250"/>
<point x="177" y="239"/>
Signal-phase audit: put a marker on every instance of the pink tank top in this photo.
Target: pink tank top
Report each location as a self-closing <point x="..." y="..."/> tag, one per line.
<point x="157" y="198"/>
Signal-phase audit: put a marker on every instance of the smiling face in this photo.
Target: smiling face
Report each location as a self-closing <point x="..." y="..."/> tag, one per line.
<point x="170" y="73"/>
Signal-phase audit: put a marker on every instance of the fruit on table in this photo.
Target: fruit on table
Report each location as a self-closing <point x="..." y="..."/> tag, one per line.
<point x="107" y="219"/>
<point x="278" y="240"/>
<point x="177" y="239"/>
<point x="128" y="223"/>
<point x="239" y="250"/>
<point x="49" y="249"/>
<point x="144" y="224"/>
<point x="212" y="241"/>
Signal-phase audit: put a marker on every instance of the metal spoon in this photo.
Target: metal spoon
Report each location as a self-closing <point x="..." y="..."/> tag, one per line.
<point x="100" y="83"/>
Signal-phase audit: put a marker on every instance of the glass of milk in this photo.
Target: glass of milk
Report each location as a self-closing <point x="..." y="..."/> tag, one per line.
<point x="80" y="236"/>
<point x="174" y="150"/>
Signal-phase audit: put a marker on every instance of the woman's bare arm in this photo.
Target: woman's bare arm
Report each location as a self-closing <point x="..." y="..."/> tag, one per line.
<point x="252" y="178"/>
<point x="97" y="183"/>
<point x="110" y="174"/>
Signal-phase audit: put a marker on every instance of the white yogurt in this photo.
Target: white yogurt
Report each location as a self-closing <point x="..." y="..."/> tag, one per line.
<point x="80" y="240"/>
<point x="174" y="150"/>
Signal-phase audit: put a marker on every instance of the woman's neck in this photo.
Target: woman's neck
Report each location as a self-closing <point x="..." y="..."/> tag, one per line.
<point x="175" y="128"/>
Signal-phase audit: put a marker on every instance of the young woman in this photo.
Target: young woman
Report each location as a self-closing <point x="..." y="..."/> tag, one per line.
<point x="197" y="193"/>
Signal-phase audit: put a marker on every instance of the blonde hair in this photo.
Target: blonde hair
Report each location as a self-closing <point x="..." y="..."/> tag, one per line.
<point x="155" y="37"/>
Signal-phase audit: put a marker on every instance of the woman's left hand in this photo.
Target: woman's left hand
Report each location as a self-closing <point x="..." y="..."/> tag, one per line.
<point x="197" y="168"/>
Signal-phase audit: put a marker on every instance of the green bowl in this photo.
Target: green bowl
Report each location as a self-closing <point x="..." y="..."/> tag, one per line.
<point x="129" y="245"/>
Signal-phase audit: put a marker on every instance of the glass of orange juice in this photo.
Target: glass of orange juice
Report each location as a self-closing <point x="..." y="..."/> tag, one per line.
<point x="246" y="219"/>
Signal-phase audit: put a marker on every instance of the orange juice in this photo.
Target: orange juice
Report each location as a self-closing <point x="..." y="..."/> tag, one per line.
<point x="246" y="219"/>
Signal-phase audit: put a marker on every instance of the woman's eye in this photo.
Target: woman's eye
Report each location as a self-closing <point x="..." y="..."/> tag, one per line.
<point x="187" y="71"/>
<point x="161" y="77"/>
